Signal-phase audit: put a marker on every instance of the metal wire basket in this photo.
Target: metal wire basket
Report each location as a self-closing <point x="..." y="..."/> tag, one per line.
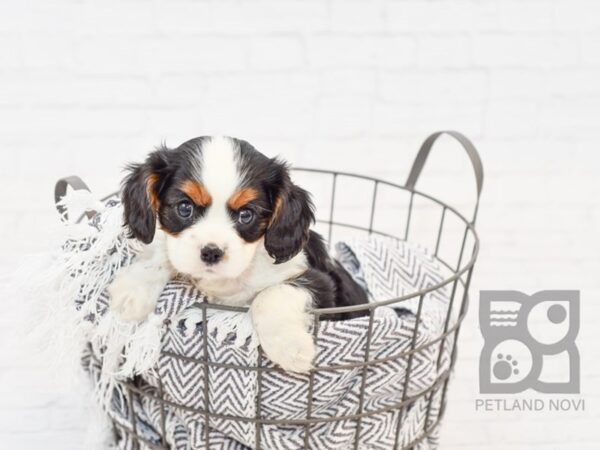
<point x="401" y="207"/>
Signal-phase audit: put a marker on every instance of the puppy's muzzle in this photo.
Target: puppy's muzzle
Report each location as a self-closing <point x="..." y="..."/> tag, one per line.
<point x="211" y="254"/>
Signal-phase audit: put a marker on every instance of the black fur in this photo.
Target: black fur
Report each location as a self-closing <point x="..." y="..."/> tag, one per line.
<point x="140" y="217"/>
<point x="288" y="231"/>
<point x="329" y="283"/>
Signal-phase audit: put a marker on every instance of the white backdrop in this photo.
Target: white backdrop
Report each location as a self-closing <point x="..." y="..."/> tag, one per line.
<point x="86" y="86"/>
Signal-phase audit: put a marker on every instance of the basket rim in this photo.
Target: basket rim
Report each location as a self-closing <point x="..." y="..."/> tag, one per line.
<point x="457" y="272"/>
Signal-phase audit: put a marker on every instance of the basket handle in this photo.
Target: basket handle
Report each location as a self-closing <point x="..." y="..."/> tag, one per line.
<point x="424" y="151"/>
<point x="60" y="190"/>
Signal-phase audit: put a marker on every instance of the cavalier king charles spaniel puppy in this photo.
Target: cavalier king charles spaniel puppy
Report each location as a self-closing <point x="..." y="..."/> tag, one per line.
<point x="230" y="219"/>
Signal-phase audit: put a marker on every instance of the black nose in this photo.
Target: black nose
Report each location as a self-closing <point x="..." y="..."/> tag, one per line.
<point x="211" y="254"/>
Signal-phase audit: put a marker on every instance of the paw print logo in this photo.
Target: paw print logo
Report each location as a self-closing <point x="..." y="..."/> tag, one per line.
<point x="521" y="332"/>
<point x="505" y="367"/>
<point x="510" y="362"/>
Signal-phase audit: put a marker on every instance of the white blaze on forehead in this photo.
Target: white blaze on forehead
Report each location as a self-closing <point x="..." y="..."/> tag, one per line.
<point x="219" y="169"/>
<point x="219" y="175"/>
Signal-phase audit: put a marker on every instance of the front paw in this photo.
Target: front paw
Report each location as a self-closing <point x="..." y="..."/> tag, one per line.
<point x="131" y="301"/>
<point x="292" y="351"/>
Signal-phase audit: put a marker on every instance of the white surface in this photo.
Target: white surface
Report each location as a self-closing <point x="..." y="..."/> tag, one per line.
<point x="87" y="86"/>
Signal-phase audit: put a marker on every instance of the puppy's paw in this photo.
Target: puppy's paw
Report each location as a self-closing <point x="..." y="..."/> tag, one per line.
<point x="293" y="352"/>
<point x="131" y="301"/>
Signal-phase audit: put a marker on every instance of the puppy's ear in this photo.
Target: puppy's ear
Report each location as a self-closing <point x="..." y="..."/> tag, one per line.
<point x="140" y="195"/>
<point x="293" y="213"/>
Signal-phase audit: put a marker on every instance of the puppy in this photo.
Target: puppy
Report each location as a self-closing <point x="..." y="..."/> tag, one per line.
<point x="230" y="219"/>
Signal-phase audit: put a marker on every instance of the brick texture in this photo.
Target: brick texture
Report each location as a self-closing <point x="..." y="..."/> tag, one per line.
<point x="352" y="85"/>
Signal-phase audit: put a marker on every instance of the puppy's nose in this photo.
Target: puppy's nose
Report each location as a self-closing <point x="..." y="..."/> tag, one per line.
<point x="211" y="254"/>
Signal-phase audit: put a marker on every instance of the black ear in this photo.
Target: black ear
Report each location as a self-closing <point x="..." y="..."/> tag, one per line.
<point x="293" y="213"/>
<point x="139" y="195"/>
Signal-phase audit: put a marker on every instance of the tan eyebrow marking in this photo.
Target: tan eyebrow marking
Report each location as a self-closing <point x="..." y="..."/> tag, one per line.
<point x="196" y="192"/>
<point x="241" y="198"/>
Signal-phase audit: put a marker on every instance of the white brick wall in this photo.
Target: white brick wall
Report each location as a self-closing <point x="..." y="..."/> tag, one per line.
<point x="86" y="86"/>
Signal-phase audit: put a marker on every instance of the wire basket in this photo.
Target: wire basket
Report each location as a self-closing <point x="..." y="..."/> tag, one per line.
<point x="393" y="211"/>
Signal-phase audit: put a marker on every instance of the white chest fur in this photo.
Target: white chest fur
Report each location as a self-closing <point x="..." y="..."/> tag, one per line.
<point x="259" y="275"/>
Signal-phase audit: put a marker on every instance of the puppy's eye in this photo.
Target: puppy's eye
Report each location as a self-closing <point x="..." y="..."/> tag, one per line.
<point x="185" y="209"/>
<point x="246" y="216"/>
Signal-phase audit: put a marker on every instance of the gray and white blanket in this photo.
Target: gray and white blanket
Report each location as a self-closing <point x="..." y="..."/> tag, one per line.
<point x="387" y="268"/>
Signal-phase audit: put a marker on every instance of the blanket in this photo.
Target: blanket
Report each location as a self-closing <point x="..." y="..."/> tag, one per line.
<point x="160" y="359"/>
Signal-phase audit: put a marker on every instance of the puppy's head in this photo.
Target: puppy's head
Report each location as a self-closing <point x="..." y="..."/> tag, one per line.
<point x="218" y="200"/>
